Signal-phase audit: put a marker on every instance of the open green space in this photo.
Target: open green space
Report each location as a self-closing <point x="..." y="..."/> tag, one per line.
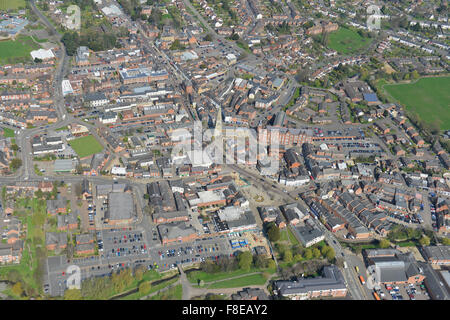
<point x="11" y="4"/>
<point x="428" y="97"/>
<point x="86" y="146"/>
<point x="18" y="50"/>
<point x="195" y="276"/>
<point x="253" y="279"/>
<point x="347" y="41"/>
<point x="29" y="271"/>
<point x="151" y="289"/>
<point x="8" y="133"/>
<point x="174" y="293"/>
<point x="62" y="128"/>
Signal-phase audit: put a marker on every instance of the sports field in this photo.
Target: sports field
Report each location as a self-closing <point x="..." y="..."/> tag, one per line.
<point x="428" y="97"/>
<point x="347" y="41"/>
<point x="86" y="146"/>
<point x="11" y="4"/>
<point x="11" y="51"/>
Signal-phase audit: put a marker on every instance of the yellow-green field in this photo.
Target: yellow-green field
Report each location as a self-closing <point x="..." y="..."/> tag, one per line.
<point x="11" y="4"/>
<point x="428" y="97"/>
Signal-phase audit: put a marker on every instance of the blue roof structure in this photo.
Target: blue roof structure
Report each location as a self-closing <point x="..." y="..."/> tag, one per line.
<point x="370" y="97"/>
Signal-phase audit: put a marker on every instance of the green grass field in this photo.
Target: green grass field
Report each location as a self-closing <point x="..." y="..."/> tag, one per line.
<point x="254" y="279"/>
<point x="11" y="4"/>
<point x="8" y="133"/>
<point x="86" y="146"/>
<point x="347" y="41"/>
<point x="174" y="293"/>
<point x="12" y="51"/>
<point x="428" y="97"/>
<point x="194" y="276"/>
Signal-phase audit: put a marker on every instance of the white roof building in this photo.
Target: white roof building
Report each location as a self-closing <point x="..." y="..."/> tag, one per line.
<point x="42" y="54"/>
<point x="66" y="87"/>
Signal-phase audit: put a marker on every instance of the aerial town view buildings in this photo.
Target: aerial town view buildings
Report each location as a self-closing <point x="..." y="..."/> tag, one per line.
<point x="233" y="149"/>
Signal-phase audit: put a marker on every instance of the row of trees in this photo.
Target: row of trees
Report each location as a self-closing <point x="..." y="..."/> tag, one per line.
<point x="244" y="261"/>
<point x="104" y="287"/>
<point x="95" y="40"/>
<point x="299" y="253"/>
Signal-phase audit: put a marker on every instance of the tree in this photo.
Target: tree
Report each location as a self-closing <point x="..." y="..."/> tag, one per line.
<point x="14" y="147"/>
<point x="298" y="257"/>
<point x="259" y="261"/>
<point x="330" y="254"/>
<point x="271" y="264"/>
<point x="308" y="254"/>
<point x="71" y="41"/>
<point x="208" y="37"/>
<point x="15" y="164"/>
<point x="287" y="256"/>
<point x="39" y="194"/>
<point x="176" y="45"/>
<point x="384" y="243"/>
<point x="324" y="250"/>
<point x="434" y="127"/>
<point x="446" y="241"/>
<point x="415" y="74"/>
<point x="274" y="233"/>
<point x="424" y="241"/>
<point x="73" y="294"/>
<point x="245" y="260"/>
<point x="234" y="36"/>
<point x="17" y="289"/>
<point x="316" y="253"/>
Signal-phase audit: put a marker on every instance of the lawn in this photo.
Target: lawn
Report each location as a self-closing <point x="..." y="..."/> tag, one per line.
<point x="8" y="133"/>
<point x="292" y="237"/>
<point x="86" y="146"/>
<point x="194" y="276"/>
<point x="12" y="51"/>
<point x="174" y="293"/>
<point x="34" y="218"/>
<point x="62" y="128"/>
<point x="428" y="97"/>
<point x="254" y="279"/>
<point x="137" y="295"/>
<point x="11" y="4"/>
<point x="347" y="41"/>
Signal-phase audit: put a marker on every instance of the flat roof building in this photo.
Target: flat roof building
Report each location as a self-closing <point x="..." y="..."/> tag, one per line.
<point x="331" y="283"/>
<point x="120" y="208"/>
<point x="437" y="254"/>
